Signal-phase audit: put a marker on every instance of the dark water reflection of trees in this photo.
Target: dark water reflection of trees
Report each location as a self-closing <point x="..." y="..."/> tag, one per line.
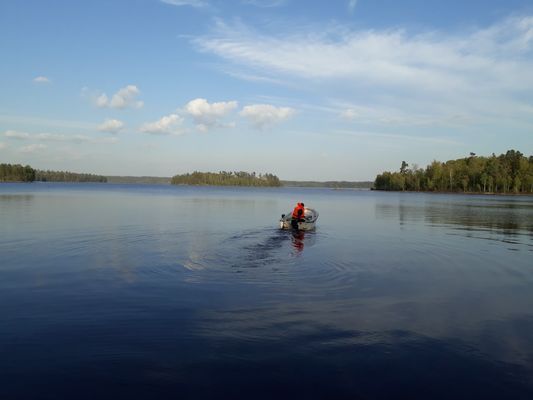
<point x="507" y="218"/>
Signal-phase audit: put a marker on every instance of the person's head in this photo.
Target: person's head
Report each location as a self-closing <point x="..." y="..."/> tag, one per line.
<point x="302" y="204"/>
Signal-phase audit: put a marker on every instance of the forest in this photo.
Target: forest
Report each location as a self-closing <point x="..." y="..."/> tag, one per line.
<point x="224" y="178"/>
<point x="65" y="176"/>
<point x="19" y="173"/>
<point x="511" y="172"/>
<point x="16" y="173"/>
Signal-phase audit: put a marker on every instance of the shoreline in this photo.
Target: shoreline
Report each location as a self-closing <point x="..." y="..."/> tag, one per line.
<point x="457" y="193"/>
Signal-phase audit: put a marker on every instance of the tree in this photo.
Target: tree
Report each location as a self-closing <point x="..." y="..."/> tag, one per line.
<point x="16" y="173"/>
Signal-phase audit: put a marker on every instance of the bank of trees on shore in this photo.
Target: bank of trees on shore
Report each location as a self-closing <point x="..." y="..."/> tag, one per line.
<point x="19" y="173"/>
<point x="224" y="178"/>
<point x="65" y="176"/>
<point x="511" y="172"/>
<point x="16" y="173"/>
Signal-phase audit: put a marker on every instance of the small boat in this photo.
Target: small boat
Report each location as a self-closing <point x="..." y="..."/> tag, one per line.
<point x="310" y="217"/>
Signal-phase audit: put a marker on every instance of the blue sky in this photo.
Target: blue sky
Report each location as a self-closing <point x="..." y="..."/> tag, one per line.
<point x="336" y="90"/>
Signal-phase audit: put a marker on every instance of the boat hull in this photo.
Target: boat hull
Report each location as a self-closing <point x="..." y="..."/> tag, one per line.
<point x="309" y="222"/>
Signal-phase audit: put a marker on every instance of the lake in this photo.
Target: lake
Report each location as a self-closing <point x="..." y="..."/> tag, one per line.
<point x="159" y="292"/>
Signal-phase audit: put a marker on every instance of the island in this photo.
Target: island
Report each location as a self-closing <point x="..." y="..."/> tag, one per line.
<point x="225" y="178"/>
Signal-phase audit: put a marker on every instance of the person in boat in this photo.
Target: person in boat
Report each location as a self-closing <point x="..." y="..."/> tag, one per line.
<point x="298" y="215"/>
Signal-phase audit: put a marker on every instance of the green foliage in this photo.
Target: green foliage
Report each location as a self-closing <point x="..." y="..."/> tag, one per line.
<point x="65" y="176"/>
<point x="224" y="178"/>
<point x="511" y="172"/>
<point x="16" y="173"/>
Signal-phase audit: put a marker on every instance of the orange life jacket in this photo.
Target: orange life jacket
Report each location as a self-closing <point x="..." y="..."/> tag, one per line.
<point x="298" y="212"/>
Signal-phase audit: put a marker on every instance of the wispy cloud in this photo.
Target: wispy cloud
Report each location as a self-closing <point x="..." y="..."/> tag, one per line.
<point x="265" y="3"/>
<point x="389" y="116"/>
<point x="253" y="77"/>
<point x="351" y="5"/>
<point x="57" y="137"/>
<point x="41" y="79"/>
<point x="263" y="115"/>
<point x="396" y="137"/>
<point x="191" y="3"/>
<point x="111" y="126"/>
<point x="445" y="71"/>
<point x="3" y="146"/>
<point x="44" y="122"/>
<point x="16" y="135"/>
<point x="389" y="57"/>
<point x="207" y="115"/>
<point x="33" y="148"/>
<point x="167" y="125"/>
<point x="125" y="97"/>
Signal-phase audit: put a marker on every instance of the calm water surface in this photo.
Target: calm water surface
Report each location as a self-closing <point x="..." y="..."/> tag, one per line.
<point x="159" y="292"/>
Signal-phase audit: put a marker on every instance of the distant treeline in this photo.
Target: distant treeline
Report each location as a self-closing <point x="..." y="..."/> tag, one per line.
<point x="65" y="176"/>
<point x="511" y="172"/>
<point x="16" y="173"/>
<point x="139" y="179"/>
<point x="330" y="184"/>
<point x="225" y="178"/>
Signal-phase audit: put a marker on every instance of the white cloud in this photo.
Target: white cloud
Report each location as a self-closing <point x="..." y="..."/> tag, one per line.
<point x="262" y="115"/>
<point x="207" y="115"/>
<point x="3" y="145"/>
<point x="167" y="125"/>
<point x="16" y="134"/>
<point x="351" y="5"/>
<point x="111" y="126"/>
<point x="32" y="148"/>
<point x="102" y="101"/>
<point x="124" y="98"/>
<point x="41" y="79"/>
<point x="192" y="3"/>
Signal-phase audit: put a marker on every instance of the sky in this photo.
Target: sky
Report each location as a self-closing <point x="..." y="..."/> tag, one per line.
<point x="306" y="90"/>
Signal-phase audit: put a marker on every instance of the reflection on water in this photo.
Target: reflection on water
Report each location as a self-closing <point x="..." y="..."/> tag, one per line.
<point x="16" y="199"/>
<point x="372" y="364"/>
<point x="508" y="217"/>
<point x="298" y="238"/>
<point x="270" y="247"/>
<point x="145" y="292"/>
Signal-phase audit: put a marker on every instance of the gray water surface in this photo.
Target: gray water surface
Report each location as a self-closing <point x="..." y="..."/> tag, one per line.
<point x="140" y="291"/>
